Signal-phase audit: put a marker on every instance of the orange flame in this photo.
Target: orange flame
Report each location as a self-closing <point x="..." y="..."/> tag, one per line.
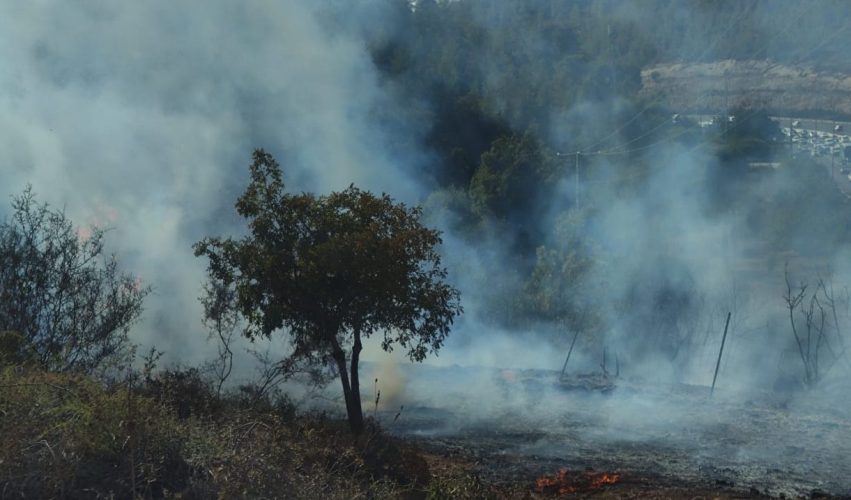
<point x="559" y="483"/>
<point x="563" y="482"/>
<point x="604" y="479"/>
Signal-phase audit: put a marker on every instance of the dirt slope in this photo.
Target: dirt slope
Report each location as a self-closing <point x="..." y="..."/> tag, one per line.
<point x="717" y="86"/>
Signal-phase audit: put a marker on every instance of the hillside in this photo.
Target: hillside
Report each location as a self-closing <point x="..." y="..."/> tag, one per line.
<point x="779" y="88"/>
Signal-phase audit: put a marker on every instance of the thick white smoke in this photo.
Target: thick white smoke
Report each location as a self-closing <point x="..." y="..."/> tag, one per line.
<point x="142" y="117"/>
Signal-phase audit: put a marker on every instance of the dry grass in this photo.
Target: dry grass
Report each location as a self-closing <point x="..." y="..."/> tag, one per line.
<point x="67" y="436"/>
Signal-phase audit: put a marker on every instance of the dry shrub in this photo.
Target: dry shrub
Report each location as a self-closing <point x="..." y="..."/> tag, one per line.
<point x="184" y="391"/>
<point x="266" y="455"/>
<point x="460" y="487"/>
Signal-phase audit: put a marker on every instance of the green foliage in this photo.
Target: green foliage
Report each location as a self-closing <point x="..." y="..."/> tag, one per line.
<point x="752" y="135"/>
<point x="510" y="174"/>
<point x="323" y="267"/>
<point x="63" y="435"/>
<point x="69" y="301"/>
<point x="185" y="392"/>
<point x="14" y="349"/>
<point x="559" y="288"/>
<point x="462" y="130"/>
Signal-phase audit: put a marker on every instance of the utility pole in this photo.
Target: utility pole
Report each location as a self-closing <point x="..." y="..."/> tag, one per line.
<point x="577" y="180"/>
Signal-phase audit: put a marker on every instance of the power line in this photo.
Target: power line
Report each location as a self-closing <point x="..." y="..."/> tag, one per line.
<point x="614" y="150"/>
<point x="738" y="121"/>
<point x="648" y="106"/>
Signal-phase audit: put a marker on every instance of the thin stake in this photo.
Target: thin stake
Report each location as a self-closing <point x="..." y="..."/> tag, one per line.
<point x="377" y="394"/>
<point x="563" y="368"/>
<point x="721" y="351"/>
<point x="577" y="179"/>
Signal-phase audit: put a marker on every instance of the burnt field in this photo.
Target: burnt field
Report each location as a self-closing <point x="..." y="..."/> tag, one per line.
<point x="604" y="436"/>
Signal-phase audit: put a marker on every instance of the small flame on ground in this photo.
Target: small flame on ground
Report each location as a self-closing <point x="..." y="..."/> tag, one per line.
<point x="603" y="479"/>
<point x="564" y="482"/>
<point x="559" y="483"/>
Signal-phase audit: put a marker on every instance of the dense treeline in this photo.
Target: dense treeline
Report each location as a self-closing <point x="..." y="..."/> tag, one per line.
<point x="524" y="60"/>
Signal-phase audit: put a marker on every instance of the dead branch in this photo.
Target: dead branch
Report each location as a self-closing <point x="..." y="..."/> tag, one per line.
<point x="793" y="300"/>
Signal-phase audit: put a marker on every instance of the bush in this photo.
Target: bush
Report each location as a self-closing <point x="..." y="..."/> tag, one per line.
<point x="183" y="391"/>
<point x="14" y="349"/>
<point x="69" y="301"/>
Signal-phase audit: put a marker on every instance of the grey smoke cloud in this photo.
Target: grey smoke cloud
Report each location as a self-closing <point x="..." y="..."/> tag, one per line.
<point x="142" y="117"/>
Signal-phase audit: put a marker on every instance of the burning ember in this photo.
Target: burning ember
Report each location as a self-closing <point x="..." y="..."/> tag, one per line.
<point x="565" y="482"/>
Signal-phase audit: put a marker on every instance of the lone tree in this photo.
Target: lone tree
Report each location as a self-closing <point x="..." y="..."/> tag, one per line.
<point x="330" y="271"/>
<point x="66" y="305"/>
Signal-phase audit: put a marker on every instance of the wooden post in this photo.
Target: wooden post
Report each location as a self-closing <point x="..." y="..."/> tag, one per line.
<point x="721" y="351"/>
<point x="791" y="144"/>
<point x="563" y="368"/>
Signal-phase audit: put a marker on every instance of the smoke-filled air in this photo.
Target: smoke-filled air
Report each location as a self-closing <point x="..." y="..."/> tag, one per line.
<point x="425" y="249"/>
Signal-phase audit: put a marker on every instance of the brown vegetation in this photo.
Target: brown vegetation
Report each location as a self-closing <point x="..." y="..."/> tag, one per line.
<point x="69" y="436"/>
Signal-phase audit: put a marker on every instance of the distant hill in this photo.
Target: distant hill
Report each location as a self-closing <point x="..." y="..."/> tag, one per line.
<point x="722" y="85"/>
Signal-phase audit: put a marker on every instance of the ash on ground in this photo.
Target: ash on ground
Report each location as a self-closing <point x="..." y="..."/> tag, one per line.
<point x="520" y="424"/>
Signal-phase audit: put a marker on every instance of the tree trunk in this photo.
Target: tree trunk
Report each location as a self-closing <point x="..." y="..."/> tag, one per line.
<point x="356" y="415"/>
<point x="340" y="358"/>
<point x="351" y="389"/>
